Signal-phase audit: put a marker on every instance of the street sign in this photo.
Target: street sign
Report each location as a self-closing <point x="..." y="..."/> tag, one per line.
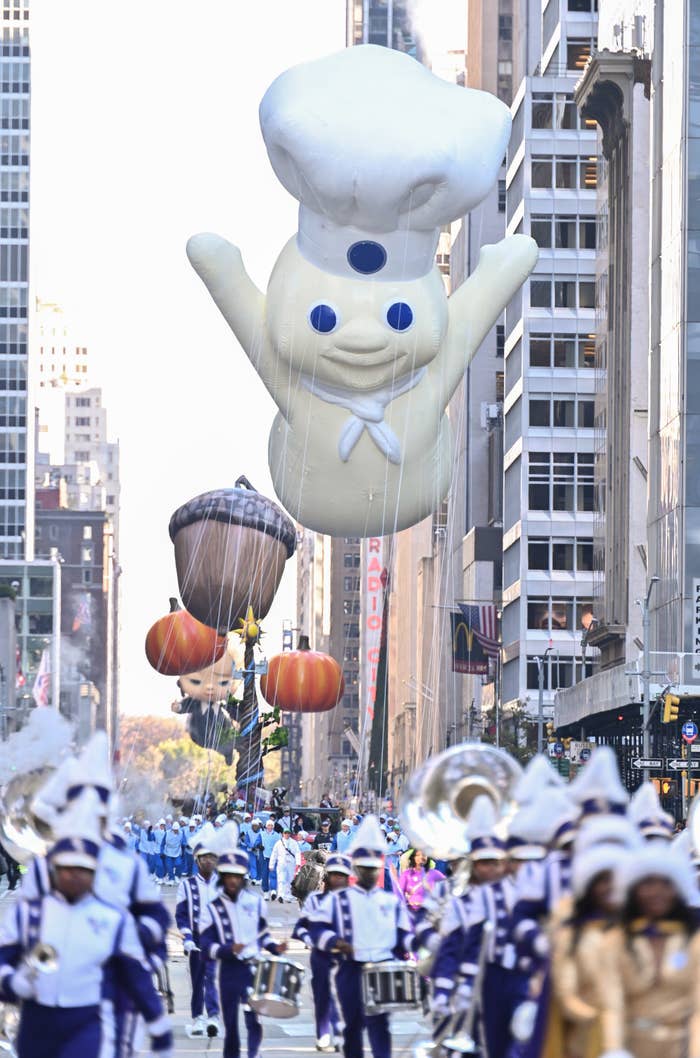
<point x="558" y="749"/>
<point x="585" y="754"/>
<point x="689" y="731"/>
<point x="648" y="762"/>
<point x="683" y="765"/>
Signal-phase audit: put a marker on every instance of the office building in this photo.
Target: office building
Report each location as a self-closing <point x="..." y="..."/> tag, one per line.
<point x="641" y="89"/>
<point x="329" y="612"/>
<point x="387" y="23"/>
<point x="550" y="347"/>
<point x="88" y="651"/>
<point x="16" y="514"/>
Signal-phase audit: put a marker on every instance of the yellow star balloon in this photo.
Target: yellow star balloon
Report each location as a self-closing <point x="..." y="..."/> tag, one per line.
<point x="250" y="630"/>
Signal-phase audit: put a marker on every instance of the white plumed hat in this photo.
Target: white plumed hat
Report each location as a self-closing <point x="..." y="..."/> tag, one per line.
<point x="94" y="770"/>
<point x="381" y="154"/>
<point x="77" y="833"/>
<point x="538" y="775"/>
<point x="369" y="844"/>
<point x="597" y="788"/>
<point x="656" y="860"/>
<point x="594" y="861"/>
<point x="481" y="831"/>
<point x="607" y="830"/>
<point x="646" y="813"/>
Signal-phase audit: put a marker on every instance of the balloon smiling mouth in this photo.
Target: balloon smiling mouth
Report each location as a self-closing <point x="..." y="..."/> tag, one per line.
<point x="360" y="359"/>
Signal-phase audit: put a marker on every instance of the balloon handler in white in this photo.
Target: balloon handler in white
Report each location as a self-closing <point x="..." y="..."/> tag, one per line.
<point x="356" y="339"/>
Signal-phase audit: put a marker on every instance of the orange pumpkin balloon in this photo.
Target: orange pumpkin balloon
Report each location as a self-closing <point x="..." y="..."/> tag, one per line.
<point x="178" y="643"/>
<point x="303" y="680"/>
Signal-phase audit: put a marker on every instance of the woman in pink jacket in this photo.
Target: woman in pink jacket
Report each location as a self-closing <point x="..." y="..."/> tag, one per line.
<point x="418" y="879"/>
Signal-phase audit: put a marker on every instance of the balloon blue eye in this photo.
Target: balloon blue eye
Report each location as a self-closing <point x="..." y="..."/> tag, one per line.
<point x="323" y="318"/>
<point x="399" y="316"/>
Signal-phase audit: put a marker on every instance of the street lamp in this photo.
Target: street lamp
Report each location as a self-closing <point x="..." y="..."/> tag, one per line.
<point x="540" y="706"/>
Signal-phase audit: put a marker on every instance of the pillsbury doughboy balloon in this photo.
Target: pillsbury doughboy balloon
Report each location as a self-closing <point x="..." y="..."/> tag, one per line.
<point x="356" y="339"/>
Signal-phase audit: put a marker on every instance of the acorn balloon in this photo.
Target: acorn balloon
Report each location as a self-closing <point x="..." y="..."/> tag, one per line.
<point x="178" y="643"/>
<point x="303" y="680"/>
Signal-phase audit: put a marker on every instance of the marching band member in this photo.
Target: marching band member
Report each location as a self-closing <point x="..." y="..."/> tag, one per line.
<point x="121" y="879"/>
<point x="337" y="877"/>
<point x="648" y="977"/>
<point x="489" y="900"/>
<point x="365" y="924"/>
<point x="61" y="1013"/>
<point x="193" y="897"/>
<point x="578" y="930"/>
<point x="648" y="816"/>
<point x="285" y="861"/>
<point x="234" y="931"/>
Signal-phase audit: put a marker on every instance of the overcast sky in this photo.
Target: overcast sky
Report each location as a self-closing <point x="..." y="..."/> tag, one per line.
<point x="144" y="131"/>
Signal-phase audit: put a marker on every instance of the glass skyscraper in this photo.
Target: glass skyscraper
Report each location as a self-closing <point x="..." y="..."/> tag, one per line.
<point x="16" y="522"/>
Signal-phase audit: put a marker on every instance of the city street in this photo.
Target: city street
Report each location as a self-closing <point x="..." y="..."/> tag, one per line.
<point x="292" y="1037"/>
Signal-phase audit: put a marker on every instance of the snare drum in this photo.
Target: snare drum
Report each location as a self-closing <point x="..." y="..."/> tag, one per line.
<point x="276" y="988"/>
<point x="389" y="986"/>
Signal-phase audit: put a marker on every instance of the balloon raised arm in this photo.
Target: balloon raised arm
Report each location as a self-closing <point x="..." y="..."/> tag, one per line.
<point x="219" y="265"/>
<point x="475" y="306"/>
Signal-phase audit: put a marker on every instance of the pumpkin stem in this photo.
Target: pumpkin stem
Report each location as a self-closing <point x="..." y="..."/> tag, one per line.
<point x="304" y="643"/>
<point x="243" y="483"/>
<point x="174" y="604"/>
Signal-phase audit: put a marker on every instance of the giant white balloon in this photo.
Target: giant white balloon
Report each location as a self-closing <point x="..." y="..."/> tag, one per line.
<point x="356" y="339"/>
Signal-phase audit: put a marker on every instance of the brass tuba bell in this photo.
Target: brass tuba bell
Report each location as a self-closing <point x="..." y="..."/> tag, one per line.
<point x="437" y="799"/>
<point x="23" y="833"/>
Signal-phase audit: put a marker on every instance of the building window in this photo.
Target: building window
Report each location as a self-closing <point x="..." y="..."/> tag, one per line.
<point x="578" y="52"/>
<point x="500" y="339"/>
<point x="351" y="653"/>
<point x="350" y="607"/>
<point x="82" y="456"/>
<point x="352" y="541"/>
<point x="87" y="576"/>
<point x="86" y="554"/>
<point x="351" y="561"/>
<point x="559" y="670"/>
<point x="501" y="196"/>
<point x="554" y="110"/>
<point x="568" y="173"/>
<point x="87" y="532"/>
<point x="351" y="630"/>
<point x="562" y="350"/>
<point x="549" y="614"/>
<point x="82" y="402"/>
<point x="561" y="481"/>
<point x="563" y="232"/>
<point x="351" y="583"/>
<point x="572" y="554"/>
<point x="561" y="412"/>
<point x="570" y="294"/>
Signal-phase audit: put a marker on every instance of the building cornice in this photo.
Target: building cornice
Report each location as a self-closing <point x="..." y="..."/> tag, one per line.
<point x="604" y="92"/>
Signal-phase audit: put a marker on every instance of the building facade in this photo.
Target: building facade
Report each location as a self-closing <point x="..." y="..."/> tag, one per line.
<point x="329" y="612"/>
<point x="16" y="513"/>
<point x="83" y="540"/>
<point x="550" y="383"/>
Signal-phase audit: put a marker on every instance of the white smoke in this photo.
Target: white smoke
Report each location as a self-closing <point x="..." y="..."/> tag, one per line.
<point x="44" y="740"/>
<point x="441" y="28"/>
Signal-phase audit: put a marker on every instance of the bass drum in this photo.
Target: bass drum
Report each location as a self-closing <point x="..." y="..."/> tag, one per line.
<point x="276" y="988"/>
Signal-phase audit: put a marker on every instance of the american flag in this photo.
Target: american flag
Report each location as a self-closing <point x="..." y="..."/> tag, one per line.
<point x="42" y="683"/>
<point x="483" y="621"/>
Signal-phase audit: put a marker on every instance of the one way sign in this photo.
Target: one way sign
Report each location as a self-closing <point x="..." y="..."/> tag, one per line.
<point x="648" y="762"/>
<point x="683" y="765"/>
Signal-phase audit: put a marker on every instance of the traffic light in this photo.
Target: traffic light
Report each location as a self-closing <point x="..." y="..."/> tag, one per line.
<point x="671" y="706"/>
<point x="669" y="787"/>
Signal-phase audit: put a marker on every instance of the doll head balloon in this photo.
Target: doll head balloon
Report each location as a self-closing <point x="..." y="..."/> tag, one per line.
<point x="208" y="685"/>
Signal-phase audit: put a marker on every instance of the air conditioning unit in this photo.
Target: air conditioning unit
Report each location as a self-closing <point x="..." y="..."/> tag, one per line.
<point x="490" y="414"/>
